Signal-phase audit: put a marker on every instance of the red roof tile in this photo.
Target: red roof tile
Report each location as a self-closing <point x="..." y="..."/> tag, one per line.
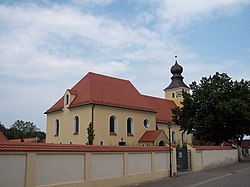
<point x="72" y="92"/>
<point x="150" y="136"/>
<point x="105" y="90"/>
<point x="163" y="108"/>
<point x="43" y="147"/>
<point x="3" y="137"/>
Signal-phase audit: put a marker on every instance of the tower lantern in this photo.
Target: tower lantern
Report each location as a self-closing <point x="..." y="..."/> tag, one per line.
<point x="177" y="86"/>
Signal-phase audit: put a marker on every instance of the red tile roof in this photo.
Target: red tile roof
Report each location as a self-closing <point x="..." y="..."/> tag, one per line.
<point x="105" y="90"/>
<point x="3" y="137"/>
<point x="43" y="147"/>
<point x="163" y="108"/>
<point x="150" y="136"/>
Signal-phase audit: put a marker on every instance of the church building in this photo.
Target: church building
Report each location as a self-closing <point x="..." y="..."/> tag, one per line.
<point x="118" y="112"/>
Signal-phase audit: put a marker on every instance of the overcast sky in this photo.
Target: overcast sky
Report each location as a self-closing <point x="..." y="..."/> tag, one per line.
<point x="48" y="46"/>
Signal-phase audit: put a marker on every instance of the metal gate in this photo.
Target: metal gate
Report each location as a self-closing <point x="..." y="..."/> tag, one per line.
<point x="183" y="157"/>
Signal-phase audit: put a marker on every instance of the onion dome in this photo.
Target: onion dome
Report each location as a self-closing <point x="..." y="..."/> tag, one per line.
<point x="176" y="68"/>
<point x="177" y="79"/>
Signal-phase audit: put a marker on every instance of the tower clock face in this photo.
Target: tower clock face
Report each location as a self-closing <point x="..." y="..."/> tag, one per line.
<point x="178" y="93"/>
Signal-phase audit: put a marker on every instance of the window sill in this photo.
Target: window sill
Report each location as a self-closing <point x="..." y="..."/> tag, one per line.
<point x="113" y="134"/>
<point x="130" y="134"/>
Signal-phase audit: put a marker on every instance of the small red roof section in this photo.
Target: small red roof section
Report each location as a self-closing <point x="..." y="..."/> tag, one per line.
<point x="104" y="90"/>
<point x="44" y="147"/>
<point x="3" y="137"/>
<point x="150" y="136"/>
<point x="163" y="108"/>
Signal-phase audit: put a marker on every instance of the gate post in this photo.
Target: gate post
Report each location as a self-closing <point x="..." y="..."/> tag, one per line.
<point x="174" y="164"/>
<point x="193" y="157"/>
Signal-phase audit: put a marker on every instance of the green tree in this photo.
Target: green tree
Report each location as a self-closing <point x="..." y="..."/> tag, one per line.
<point x="21" y="129"/>
<point x="2" y="128"/>
<point x="41" y="135"/>
<point x="91" y="134"/>
<point x="217" y="110"/>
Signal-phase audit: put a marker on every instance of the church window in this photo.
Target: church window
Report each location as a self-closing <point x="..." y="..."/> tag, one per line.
<point x="146" y="123"/>
<point x="173" y="137"/>
<point x="184" y="137"/>
<point x="67" y="99"/>
<point x="76" y="125"/>
<point x="173" y="95"/>
<point x="130" y="126"/>
<point x="162" y="143"/>
<point x="57" y="127"/>
<point x="112" y="125"/>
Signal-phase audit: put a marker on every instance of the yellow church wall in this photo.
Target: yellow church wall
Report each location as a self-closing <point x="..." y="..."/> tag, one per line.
<point x="177" y="131"/>
<point x="101" y="125"/>
<point x="66" y="119"/>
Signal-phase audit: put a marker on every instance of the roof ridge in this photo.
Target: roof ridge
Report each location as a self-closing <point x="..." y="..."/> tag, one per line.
<point x="154" y="97"/>
<point x="107" y="76"/>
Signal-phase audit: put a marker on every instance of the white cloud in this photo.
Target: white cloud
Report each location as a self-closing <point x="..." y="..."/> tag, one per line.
<point x="180" y="13"/>
<point x="95" y="2"/>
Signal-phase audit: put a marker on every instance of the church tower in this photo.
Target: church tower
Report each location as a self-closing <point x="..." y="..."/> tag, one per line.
<point x="174" y="90"/>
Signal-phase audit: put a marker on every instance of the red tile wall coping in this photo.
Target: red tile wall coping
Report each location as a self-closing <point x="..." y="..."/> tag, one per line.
<point x="45" y="147"/>
<point x="213" y="147"/>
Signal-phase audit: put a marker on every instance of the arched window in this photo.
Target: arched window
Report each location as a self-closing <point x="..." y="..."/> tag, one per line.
<point x="162" y="143"/>
<point x="130" y="126"/>
<point x="112" y="125"/>
<point x="76" y="125"/>
<point x="184" y="137"/>
<point x="146" y="123"/>
<point x="173" y="137"/>
<point x="57" y="127"/>
<point x="67" y="99"/>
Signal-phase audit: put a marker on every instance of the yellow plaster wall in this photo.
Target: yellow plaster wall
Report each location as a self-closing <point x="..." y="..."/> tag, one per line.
<point x="101" y="125"/>
<point x="66" y="118"/>
<point x="178" y="133"/>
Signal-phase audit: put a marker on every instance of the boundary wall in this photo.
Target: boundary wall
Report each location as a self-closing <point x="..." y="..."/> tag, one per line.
<point x="206" y="157"/>
<point x="64" y="165"/>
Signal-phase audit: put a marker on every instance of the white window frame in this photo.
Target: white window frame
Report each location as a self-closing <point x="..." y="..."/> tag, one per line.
<point x="74" y="125"/>
<point x="66" y="99"/>
<point x="132" y="125"/>
<point x="148" y="123"/>
<point x="115" y="124"/>
<point x="184" y="137"/>
<point x="173" y="136"/>
<point x="55" y="127"/>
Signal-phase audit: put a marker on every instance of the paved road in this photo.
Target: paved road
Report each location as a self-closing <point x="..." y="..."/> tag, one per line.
<point x="230" y="176"/>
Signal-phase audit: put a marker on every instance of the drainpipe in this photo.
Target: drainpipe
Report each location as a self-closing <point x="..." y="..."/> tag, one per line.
<point x="92" y="115"/>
